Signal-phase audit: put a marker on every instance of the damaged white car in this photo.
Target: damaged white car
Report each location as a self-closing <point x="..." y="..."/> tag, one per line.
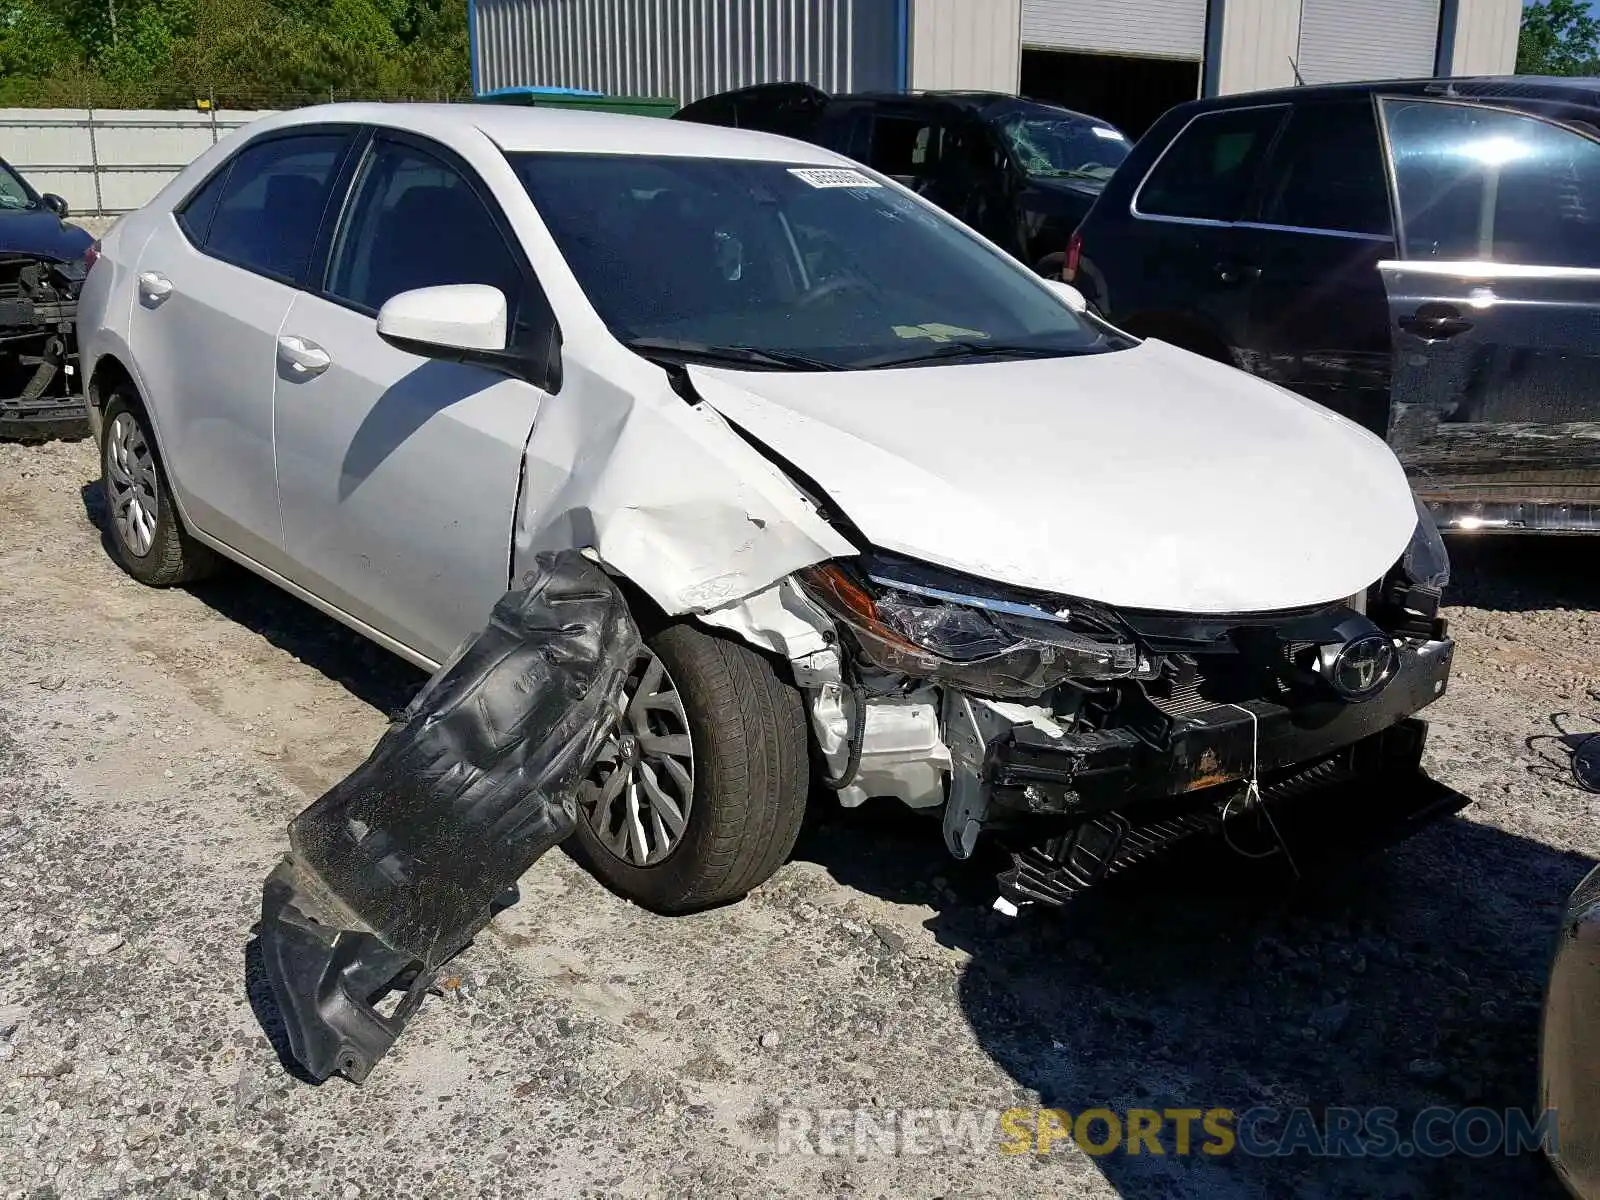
<point x="895" y="515"/>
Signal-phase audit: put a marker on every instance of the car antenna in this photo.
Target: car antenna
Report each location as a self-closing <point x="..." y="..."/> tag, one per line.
<point x="1299" y="80"/>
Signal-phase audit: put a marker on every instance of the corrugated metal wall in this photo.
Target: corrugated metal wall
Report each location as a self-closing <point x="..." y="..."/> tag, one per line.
<point x="1165" y="28"/>
<point x="1481" y="37"/>
<point x="965" y="45"/>
<point x="1367" y="39"/>
<point x="686" y="48"/>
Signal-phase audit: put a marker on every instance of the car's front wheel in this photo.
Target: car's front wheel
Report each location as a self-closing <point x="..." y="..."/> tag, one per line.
<point x="146" y="535"/>
<point x="698" y="796"/>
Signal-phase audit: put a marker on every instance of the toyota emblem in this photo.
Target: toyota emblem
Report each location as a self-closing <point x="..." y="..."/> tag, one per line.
<point x="1362" y="666"/>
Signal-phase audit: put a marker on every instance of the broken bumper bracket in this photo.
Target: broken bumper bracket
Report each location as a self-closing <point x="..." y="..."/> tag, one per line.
<point x="327" y="977"/>
<point x="399" y="865"/>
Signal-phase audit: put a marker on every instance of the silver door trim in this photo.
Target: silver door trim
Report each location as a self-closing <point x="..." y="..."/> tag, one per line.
<point x="1306" y="229"/>
<point x="1467" y="269"/>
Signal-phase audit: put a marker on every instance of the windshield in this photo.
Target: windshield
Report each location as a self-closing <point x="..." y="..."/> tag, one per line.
<point x="1065" y="147"/>
<point x="13" y="192"/>
<point x="783" y="267"/>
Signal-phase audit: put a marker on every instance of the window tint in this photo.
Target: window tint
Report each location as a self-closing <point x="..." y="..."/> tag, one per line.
<point x="1208" y="172"/>
<point x="271" y="204"/>
<point x="1327" y="171"/>
<point x="194" y="217"/>
<point x="415" y="222"/>
<point x="906" y="147"/>
<point x="1478" y="184"/>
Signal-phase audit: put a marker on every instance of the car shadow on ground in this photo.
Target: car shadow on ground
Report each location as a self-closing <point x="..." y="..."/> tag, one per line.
<point x="367" y="671"/>
<point x="1519" y="573"/>
<point x="1406" y="979"/>
<point x="265" y="1006"/>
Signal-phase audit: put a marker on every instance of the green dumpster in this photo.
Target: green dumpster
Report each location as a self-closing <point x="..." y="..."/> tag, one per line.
<point x="639" y="106"/>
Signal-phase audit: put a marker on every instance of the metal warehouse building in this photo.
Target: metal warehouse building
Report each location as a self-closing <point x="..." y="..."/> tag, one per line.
<point x="1125" y="60"/>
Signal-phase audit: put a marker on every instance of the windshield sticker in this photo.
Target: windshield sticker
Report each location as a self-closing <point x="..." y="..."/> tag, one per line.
<point x="833" y="177"/>
<point x="1111" y="135"/>
<point x="937" y="332"/>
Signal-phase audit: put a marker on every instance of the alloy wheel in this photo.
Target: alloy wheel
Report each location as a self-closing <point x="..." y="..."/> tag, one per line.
<point x="637" y="798"/>
<point x="131" y="479"/>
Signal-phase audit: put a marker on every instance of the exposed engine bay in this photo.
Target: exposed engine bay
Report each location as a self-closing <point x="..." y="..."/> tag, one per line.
<point x="1087" y="738"/>
<point x="41" y="391"/>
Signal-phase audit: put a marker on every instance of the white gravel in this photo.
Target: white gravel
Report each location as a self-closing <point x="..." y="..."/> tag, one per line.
<point x="154" y="744"/>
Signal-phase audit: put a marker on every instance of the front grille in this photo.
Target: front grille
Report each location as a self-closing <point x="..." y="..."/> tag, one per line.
<point x="1222" y="679"/>
<point x="1182" y="700"/>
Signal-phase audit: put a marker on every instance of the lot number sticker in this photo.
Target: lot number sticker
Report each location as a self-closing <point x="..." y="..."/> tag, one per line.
<point x="833" y="177"/>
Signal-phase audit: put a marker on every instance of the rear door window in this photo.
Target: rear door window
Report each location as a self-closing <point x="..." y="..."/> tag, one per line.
<point x="1211" y="167"/>
<point x="194" y="215"/>
<point x="907" y="148"/>
<point x="270" y="206"/>
<point x="1483" y="184"/>
<point x="1327" y="172"/>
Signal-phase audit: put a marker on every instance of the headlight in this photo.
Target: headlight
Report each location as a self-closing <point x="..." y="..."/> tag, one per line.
<point x="1426" y="562"/>
<point x="1004" y="654"/>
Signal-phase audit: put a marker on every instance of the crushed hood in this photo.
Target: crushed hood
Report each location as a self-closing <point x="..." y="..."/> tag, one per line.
<point x="1146" y="478"/>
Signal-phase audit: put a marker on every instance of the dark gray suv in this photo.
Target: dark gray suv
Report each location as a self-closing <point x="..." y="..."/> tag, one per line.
<point x="1421" y="256"/>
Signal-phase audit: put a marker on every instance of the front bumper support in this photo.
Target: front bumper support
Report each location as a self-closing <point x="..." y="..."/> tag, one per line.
<point x="1082" y="774"/>
<point x="396" y="868"/>
<point x="1359" y="798"/>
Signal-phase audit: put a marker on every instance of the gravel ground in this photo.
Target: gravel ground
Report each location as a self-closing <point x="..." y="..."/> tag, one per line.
<point x="154" y="744"/>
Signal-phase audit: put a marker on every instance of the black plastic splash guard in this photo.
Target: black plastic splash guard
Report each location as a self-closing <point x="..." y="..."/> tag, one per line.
<point x="396" y="868"/>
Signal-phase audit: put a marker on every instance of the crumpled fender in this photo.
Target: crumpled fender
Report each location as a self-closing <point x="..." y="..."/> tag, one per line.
<point x="397" y="867"/>
<point x="667" y="494"/>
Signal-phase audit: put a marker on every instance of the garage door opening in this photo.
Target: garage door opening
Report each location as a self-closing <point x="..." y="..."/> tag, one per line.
<point x="1129" y="92"/>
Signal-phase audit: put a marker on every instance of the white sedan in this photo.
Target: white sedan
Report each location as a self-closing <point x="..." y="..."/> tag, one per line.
<point x="898" y="517"/>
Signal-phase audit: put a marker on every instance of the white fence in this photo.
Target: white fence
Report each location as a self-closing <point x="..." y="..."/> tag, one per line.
<point x="108" y="161"/>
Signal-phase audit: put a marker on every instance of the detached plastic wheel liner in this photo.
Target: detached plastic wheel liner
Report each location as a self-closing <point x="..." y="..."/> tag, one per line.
<point x="397" y="867"/>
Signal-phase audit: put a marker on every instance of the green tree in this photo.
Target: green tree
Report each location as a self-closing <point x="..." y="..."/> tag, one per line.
<point x="245" y="53"/>
<point x="1559" y="37"/>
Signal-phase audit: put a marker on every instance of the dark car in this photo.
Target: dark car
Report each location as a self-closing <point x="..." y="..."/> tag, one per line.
<point x="1021" y="173"/>
<point x="41" y="269"/>
<point x="1421" y="256"/>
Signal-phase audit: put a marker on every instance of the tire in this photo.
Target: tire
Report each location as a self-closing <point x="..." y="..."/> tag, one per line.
<point x="142" y="526"/>
<point x="1050" y="265"/>
<point x="748" y="773"/>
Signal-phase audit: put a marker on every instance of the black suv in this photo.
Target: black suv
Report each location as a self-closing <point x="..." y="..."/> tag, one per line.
<point x="1421" y="256"/>
<point x="1022" y="174"/>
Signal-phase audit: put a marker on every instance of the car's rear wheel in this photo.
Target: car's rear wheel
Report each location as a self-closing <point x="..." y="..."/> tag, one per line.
<point x="147" y="539"/>
<point x="698" y="796"/>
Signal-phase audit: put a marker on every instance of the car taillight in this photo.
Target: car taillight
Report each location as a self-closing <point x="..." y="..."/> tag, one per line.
<point x="91" y="255"/>
<point x="1069" y="269"/>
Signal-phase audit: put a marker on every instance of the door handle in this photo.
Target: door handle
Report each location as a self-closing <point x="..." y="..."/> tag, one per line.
<point x="1232" y="273"/>
<point x="1435" y="322"/>
<point x="304" y="358"/>
<point x="154" y="286"/>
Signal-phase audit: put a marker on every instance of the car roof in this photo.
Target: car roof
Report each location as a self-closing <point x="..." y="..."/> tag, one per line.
<point x="976" y="102"/>
<point x="515" y="128"/>
<point x="1580" y="91"/>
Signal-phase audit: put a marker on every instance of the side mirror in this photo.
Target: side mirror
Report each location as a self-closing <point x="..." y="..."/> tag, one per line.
<point x="56" y="205"/>
<point x="1069" y="295"/>
<point x="455" y="317"/>
<point x="467" y="322"/>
